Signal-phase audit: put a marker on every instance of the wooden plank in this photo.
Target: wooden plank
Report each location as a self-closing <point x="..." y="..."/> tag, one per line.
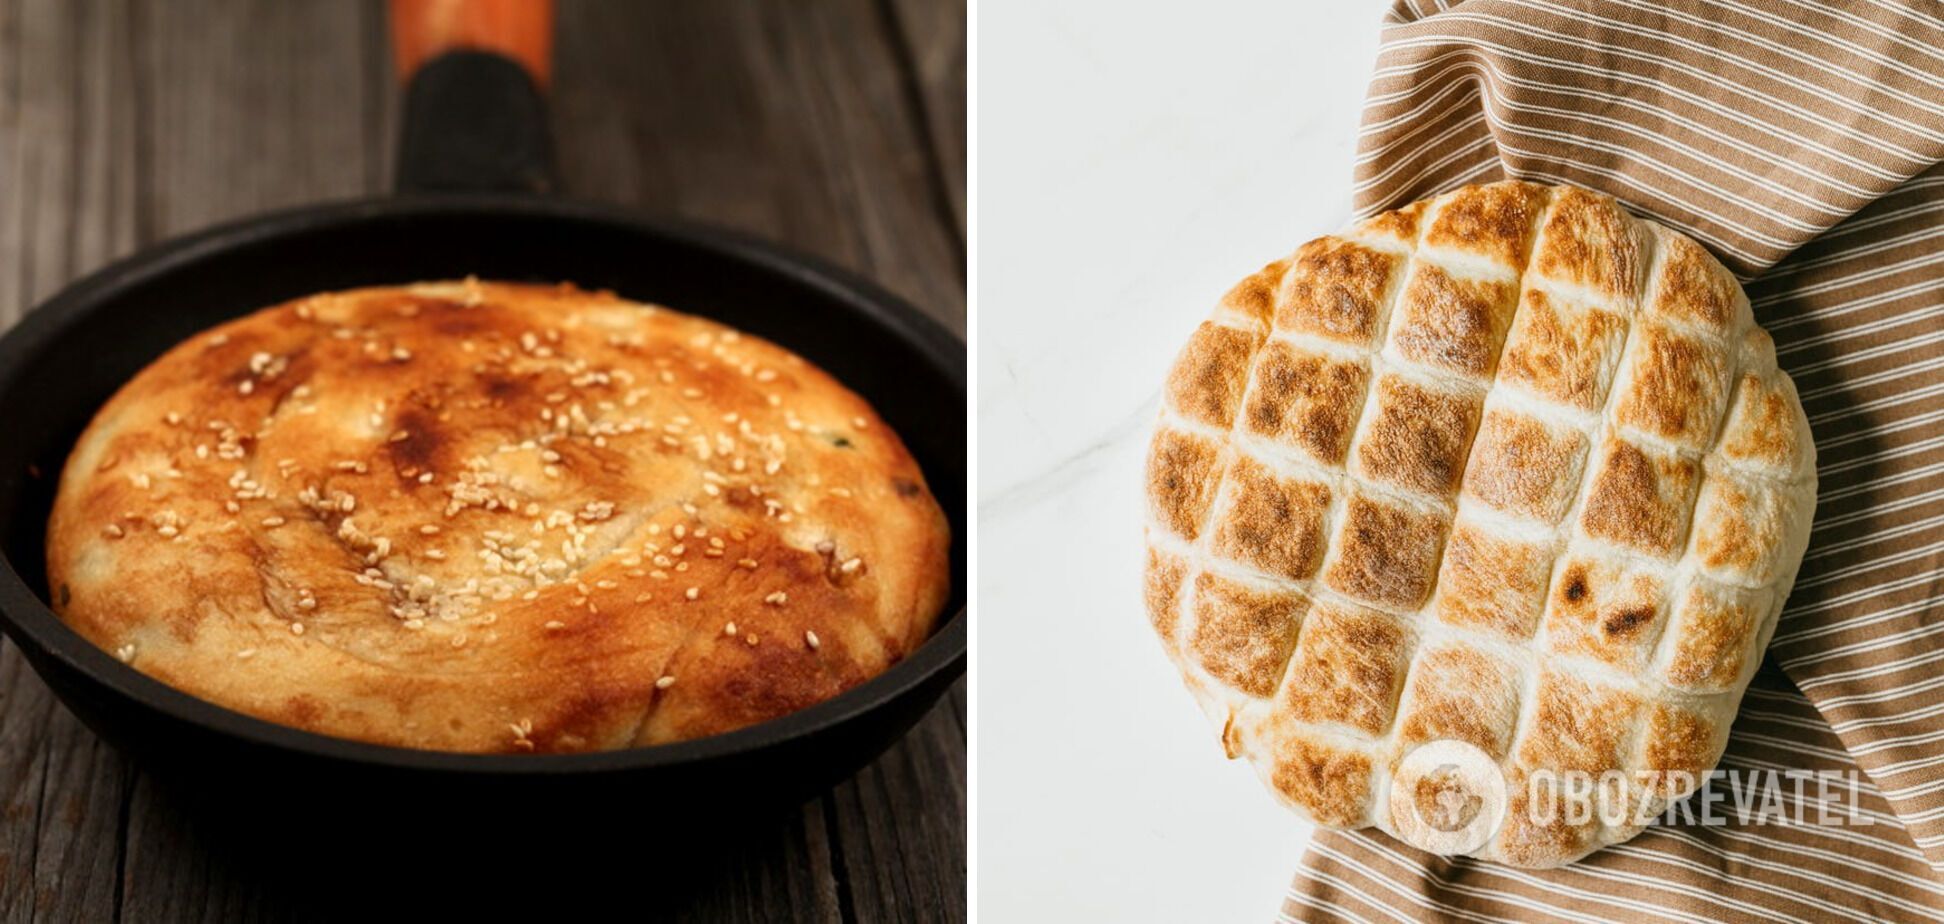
<point x="64" y="155"/>
<point x="786" y="119"/>
<point x="899" y="826"/>
<point x="174" y="871"/>
<point x="780" y="875"/>
<point x="252" y="106"/>
<point x="932" y="36"/>
<point x="78" y="848"/>
<point x="24" y="709"/>
<point x="66" y="128"/>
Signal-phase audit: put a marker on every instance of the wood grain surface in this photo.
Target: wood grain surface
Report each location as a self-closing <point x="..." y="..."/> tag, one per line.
<point x="836" y="126"/>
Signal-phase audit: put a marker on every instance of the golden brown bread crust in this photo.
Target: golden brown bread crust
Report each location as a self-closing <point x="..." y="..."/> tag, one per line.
<point x="498" y="518"/>
<point x="1508" y="467"/>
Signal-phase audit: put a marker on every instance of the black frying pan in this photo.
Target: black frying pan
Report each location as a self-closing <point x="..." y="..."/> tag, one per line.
<point x="474" y="156"/>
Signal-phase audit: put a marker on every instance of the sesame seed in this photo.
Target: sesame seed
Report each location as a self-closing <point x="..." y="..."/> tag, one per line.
<point x="554" y="625"/>
<point x="126" y="653"/>
<point x="748" y="564"/>
<point x="777" y="599"/>
<point x="666" y="681"/>
<point x="692" y="593"/>
<point x="729" y="629"/>
<point x="851" y="565"/>
<point x="273" y="522"/>
<point x="296" y="628"/>
<point x="247" y="653"/>
<point x="114" y="531"/>
<point x="810" y="638"/>
<point x="751" y="639"/>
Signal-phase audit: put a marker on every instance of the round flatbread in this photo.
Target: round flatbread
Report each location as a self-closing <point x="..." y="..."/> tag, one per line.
<point x="1507" y="467"/>
<point x="484" y="517"/>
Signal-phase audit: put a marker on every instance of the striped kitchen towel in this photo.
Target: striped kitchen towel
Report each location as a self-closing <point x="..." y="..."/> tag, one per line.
<point x="1801" y="141"/>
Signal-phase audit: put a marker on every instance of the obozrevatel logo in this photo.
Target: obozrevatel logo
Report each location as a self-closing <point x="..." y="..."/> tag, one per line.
<point x="1447" y="797"/>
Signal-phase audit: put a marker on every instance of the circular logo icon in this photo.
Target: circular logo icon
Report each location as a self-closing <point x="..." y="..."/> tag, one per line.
<point x="1447" y="797"/>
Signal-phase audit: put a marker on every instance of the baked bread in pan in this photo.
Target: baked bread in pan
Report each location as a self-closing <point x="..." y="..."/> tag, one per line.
<point x="496" y="518"/>
<point x="1508" y="467"/>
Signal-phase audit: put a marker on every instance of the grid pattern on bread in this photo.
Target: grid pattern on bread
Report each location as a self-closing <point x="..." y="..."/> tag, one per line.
<point x="1507" y="466"/>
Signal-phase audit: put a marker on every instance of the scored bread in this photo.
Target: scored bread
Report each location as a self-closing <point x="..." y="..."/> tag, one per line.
<point x="487" y="517"/>
<point x="1508" y="467"/>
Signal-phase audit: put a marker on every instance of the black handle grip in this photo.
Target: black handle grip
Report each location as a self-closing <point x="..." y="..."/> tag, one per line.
<point x="474" y="122"/>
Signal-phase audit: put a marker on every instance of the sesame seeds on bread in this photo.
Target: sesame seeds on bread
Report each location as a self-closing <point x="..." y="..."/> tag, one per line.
<point x="485" y="517"/>
<point x="1508" y="467"/>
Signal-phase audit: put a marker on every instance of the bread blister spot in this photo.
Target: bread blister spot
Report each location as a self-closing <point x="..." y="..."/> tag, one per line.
<point x="1607" y="611"/>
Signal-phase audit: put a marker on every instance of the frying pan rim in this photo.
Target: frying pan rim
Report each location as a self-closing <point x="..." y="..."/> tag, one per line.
<point x="30" y="622"/>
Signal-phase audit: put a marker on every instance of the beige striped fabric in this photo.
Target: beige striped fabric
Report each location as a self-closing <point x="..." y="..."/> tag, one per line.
<point x="1801" y="141"/>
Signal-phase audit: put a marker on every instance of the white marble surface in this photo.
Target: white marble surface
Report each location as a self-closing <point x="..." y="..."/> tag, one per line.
<point x="1134" y="160"/>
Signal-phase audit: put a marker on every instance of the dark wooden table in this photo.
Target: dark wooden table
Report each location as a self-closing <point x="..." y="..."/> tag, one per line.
<point x="835" y="125"/>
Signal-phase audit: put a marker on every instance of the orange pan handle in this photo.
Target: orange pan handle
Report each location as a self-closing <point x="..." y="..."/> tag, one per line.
<point x="475" y="113"/>
<point x="520" y="30"/>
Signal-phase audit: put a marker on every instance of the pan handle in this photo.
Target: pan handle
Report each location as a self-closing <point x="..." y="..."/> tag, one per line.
<point x="475" y="119"/>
